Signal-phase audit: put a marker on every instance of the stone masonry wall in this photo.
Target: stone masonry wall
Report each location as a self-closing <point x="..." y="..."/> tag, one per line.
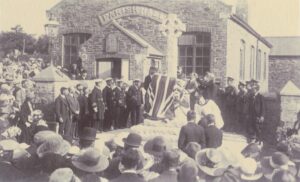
<point x="281" y="70"/>
<point x="209" y="15"/>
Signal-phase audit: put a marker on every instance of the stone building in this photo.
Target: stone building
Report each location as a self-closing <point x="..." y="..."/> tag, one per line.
<point x="284" y="63"/>
<point x="123" y="38"/>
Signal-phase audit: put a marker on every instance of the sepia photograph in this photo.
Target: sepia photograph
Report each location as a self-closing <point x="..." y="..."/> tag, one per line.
<point x="149" y="90"/>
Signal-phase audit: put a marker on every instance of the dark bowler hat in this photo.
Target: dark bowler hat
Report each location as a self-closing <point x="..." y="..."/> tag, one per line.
<point x="88" y="133"/>
<point x="230" y="78"/>
<point x="133" y="139"/>
<point x="156" y="146"/>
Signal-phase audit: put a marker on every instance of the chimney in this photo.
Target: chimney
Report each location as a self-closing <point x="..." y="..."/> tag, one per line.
<point x="241" y="9"/>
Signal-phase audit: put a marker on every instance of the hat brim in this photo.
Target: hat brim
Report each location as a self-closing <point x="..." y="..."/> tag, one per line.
<point x="62" y="150"/>
<point x="130" y="144"/>
<point x="148" y="148"/>
<point x="218" y="171"/>
<point x="253" y="177"/>
<point x="100" y="166"/>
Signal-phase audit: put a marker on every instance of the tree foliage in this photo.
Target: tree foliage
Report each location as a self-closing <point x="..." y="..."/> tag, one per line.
<point x="17" y="39"/>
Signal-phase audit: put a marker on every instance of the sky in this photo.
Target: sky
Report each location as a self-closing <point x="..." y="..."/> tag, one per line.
<point x="268" y="17"/>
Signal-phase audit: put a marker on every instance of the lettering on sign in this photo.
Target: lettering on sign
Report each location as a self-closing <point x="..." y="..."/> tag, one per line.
<point x="133" y="10"/>
<point x="111" y="43"/>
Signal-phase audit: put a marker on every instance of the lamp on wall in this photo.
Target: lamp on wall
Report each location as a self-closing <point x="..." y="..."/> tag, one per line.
<point x="51" y="29"/>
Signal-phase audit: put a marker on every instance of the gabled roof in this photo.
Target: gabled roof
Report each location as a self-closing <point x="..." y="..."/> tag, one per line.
<point x="51" y="74"/>
<point x="290" y="89"/>
<point x="138" y="39"/>
<point x="247" y="27"/>
<point x="285" y="46"/>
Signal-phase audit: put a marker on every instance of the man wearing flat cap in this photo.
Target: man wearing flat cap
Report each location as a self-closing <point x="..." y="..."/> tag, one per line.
<point x="134" y="102"/>
<point x="98" y="106"/>
<point x="109" y="104"/>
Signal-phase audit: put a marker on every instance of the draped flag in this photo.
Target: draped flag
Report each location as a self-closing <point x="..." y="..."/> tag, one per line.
<point x="159" y="96"/>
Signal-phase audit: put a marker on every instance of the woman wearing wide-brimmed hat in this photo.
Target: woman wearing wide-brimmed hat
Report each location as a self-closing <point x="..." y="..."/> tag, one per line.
<point x="211" y="162"/>
<point x="90" y="162"/>
<point x="250" y="171"/>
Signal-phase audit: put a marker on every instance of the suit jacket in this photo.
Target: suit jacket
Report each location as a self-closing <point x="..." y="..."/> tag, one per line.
<point x="230" y="96"/>
<point x="256" y="106"/>
<point x="128" y="177"/>
<point x="97" y="100"/>
<point x="214" y="137"/>
<point x="120" y="97"/>
<point x="62" y="108"/>
<point x="73" y="104"/>
<point x="84" y="105"/>
<point x="135" y="96"/>
<point x="147" y="82"/>
<point x="108" y="97"/>
<point x="166" y="176"/>
<point x="191" y="132"/>
<point x="26" y="111"/>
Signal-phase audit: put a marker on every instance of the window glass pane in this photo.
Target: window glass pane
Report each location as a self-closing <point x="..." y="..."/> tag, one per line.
<point x="182" y="51"/>
<point x="189" y="70"/>
<point x="207" y="39"/>
<point x="74" y="39"/>
<point x="74" y="50"/>
<point x="190" y="51"/>
<point x="67" y="39"/>
<point x="199" y="51"/>
<point x="199" y="61"/>
<point x="199" y="70"/>
<point x="182" y="61"/>
<point x="199" y="38"/>
<point x="205" y="69"/>
<point x="206" y="51"/>
<point x="189" y="61"/>
<point x="206" y="61"/>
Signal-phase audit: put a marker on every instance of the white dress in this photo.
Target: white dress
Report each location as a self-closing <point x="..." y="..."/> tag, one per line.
<point x="210" y="108"/>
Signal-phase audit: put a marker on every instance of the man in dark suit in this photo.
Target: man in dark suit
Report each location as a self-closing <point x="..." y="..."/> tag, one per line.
<point x="256" y="112"/>
<point x="120" y="97"/>
<point x="213" y="135"/>
<point x="130" y="162"/>
<point x="230" y="96"/>
<point x="109" y="105"/>
<point x="75" y="110"/>
<point x="148" y="78"/>
<point x="84" y="114"/>
<point x="191" y="132"/>
<point x="134" y="102"/>
<point x="62" y="112"/>
<point x="98" y="106"/>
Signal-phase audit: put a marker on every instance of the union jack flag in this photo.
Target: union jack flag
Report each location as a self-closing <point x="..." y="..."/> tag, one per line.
<point x="159" y="96"/>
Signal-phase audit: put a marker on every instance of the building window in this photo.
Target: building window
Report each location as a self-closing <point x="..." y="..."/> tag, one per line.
<point x="242" y="59"/>
<point x="194" y="52"/>
<point x="252" y="62"/>
<point x="265" y="66"/>
<point x="258" y="65"/>
<point x="72" y="44"/>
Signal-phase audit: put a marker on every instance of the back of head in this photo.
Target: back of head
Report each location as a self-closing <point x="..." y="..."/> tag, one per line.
<point x="192" y="148"/>
<point x="171" y="158"/>
<point x="210" y="118"/>
<point x="283" y="176"/>
<point x="130" y="159"/>
<point x="63" y="175"/>
<point x="191" y="115"/>
<point x="188" y="172"/>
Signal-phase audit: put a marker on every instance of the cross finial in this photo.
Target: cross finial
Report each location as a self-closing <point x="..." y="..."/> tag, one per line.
<point x="172" y="26"/>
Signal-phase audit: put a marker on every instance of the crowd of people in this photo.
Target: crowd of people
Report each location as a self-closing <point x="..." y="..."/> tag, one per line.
<point x="241" y="108"/>
<point x="31" y="150"/>
<point x="127" y="158"/>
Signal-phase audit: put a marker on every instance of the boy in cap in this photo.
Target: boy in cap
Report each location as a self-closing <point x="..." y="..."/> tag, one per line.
<point x="134" y="102"/>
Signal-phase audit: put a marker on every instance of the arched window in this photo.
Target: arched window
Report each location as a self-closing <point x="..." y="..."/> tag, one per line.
<point x="72" y="42"/>
<point x="252" y="62"/>
<point x="258" y="65"/>
<point x="242" y="59"/>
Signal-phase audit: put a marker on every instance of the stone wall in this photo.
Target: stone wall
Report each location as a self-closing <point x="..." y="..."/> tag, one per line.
<point x="203" y="15"/>
<point x="281" y="70"/>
